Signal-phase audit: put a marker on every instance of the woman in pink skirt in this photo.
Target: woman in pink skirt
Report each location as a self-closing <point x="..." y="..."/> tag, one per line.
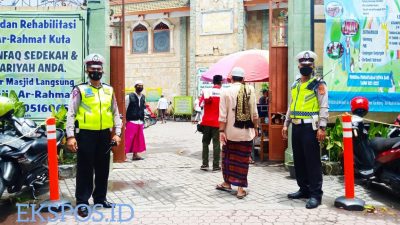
<point x="135" y="104"/>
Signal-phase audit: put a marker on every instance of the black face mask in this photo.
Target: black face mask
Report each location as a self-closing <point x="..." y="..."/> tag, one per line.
<point x="139" y="89"/>
<point x="306" y="71"/>
<point x="95" y="75"/>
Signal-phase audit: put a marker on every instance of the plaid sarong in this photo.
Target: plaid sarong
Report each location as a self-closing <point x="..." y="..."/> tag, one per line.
<point x="235" y="162"/>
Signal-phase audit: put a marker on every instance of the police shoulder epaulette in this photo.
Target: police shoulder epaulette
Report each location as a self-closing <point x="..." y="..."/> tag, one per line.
<point x="83" y="83"/>
<point x="105" y="84"/>
<point x="295" y="83"/>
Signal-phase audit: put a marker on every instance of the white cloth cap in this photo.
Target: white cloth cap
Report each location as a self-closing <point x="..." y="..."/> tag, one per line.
<point x="304" y="55"/>
<point x="138" y="82"/>
<point x="237" y="72"/>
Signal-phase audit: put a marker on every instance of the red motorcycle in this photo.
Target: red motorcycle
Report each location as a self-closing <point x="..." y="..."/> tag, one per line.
<point x="376" y="160"/>
<point x="150" y="118"/>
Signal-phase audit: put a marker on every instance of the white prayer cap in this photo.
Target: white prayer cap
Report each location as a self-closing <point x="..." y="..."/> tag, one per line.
<point x="138" y="82"/>
<point x="237" y="72"/>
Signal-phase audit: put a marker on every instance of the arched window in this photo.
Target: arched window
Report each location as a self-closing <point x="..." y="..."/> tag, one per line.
<point x="161" y="38"/>
<point x="140" y="42"/>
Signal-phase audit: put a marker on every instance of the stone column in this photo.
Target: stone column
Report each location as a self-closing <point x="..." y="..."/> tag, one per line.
<point x="171" y="38"/>
<point x="97" y="36"/>
<point x="192" y="57"/>
<point x="128" y="40"/>
<point x="265" y="30"/>
<point x="183" y="54"/>
<point x="150" y="40"/>
<point x="241" y="18"/>
<point x="298" y="40"/>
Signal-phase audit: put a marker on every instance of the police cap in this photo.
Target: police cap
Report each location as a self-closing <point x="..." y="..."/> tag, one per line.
<point x="306" y="58"/>
<point x="94" y="60"/>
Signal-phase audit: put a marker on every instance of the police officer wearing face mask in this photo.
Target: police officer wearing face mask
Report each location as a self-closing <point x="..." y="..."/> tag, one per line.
<point x="308" y="114"/>
<point x="92" y="113"/>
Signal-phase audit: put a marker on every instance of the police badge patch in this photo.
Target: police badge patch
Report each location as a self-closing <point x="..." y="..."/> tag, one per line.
<point x="89" y="92"/>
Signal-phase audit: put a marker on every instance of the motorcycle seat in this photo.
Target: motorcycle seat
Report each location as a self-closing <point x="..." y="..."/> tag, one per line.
<point x="39" y="144"/>
<point x="13" y="150"/>
<point x="380" y="144"/>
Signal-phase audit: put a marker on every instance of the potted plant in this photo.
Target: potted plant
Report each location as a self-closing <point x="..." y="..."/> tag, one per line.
<point x="290" y="166"/>
<point x="334" y="147"/>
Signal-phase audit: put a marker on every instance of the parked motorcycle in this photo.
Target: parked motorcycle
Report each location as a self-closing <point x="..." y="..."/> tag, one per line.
<point x="376" y="160"/>
<point x="23" y="151"/>
<point x="150" y="118"/>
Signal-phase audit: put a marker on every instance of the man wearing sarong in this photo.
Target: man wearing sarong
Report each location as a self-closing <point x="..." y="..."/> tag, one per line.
<point x="135" y="104"/>
<point x="238" y="123"/>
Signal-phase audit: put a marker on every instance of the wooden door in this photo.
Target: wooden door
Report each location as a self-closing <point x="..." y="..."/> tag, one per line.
<point x="278" y="81"/>
<point x="117" y="80"/>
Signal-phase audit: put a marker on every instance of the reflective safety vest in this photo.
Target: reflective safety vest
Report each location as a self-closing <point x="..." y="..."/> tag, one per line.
<point x="94" y="112"/>
<point x="304" y="101"/>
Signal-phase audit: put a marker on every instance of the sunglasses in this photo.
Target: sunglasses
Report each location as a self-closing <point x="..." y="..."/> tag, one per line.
<point x="306" y="60"/>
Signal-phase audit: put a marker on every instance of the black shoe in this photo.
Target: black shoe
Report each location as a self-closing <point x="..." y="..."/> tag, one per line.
<point x="298" y="195"/>
<point x="83" y="211"/>
<point x="216" y="169"/>
<point x="105" y="204"/>
<point x="204" y="167"/>
<point x="313" y="203"/>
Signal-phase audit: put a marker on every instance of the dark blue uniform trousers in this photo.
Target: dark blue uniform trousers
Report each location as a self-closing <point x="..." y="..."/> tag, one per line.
<point x="92" y="158"/>
<point x="307" y="159"/>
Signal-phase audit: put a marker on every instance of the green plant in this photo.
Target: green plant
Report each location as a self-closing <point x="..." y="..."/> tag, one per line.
<point x="19" y="108"/>
<point x="334" y="141"/>
<point x="64" y="156"/>
<point x="60" y="115"/>
<point x="265" y="86"/>
<point x="378" y="131"/>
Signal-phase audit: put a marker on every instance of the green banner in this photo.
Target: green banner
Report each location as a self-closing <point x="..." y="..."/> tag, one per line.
<point x="183" y="105"/>
<point x="41" y="57"/>
<point x="153" y="94"/>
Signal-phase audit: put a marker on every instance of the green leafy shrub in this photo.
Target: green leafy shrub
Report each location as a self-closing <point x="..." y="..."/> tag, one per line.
<point x="334" y="141"/>
<point x="60" y="115"/>
<point x="378" y="131"/>
<point x="64" y="156"/>
<point x="19" y="108"/>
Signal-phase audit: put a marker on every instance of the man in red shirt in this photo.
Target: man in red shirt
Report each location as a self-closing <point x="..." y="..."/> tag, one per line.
<point x="211" y="124"/>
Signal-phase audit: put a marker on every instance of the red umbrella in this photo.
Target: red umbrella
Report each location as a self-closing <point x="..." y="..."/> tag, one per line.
<point x="254" y="62"/>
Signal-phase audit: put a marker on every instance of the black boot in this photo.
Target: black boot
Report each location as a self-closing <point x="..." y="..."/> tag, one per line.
<point x="298" y="195"/>
<point x="313" y="203"/>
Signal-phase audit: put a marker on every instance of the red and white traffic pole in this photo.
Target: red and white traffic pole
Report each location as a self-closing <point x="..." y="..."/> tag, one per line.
<point x="348" y="202"/>
<point x="54" y="202"/>
<point x="52" y="158"/>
